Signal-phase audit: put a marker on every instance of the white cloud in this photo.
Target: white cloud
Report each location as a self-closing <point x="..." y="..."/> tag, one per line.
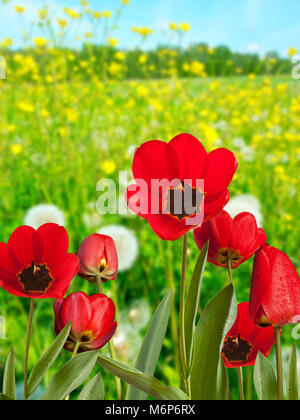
<point x="253" y="47"/>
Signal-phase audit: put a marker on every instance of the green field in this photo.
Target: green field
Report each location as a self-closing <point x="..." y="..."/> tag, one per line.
<point x="59" y="139"/>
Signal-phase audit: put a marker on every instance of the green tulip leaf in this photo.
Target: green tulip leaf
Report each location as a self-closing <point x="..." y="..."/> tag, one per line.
<point x="4" y="397"/>
<point x="142" y="381"/>
<point x="152" y="345"/>
<point x="265" y="381"/>
<point x="216" y="320"/>
<point x="93" y="391"/>
<point x="192" y="301"/>
<point x="70" y="376"/>
<point x="223" y="390"/>
<point x="292" y="376"/>
<point x="47" y="359"/>
<point x="9" y="381"/>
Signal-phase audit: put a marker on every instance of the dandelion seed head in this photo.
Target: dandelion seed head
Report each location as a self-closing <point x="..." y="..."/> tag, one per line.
<point x="126" y="244"/>
<point x="245" y="203"/>
<point x="44" y="213"/>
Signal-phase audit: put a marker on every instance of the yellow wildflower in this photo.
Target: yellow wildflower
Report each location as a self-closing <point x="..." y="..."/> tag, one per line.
<point x="185" y="27"/>
<point x="16" y="149"/>
<point x="108" y="167"/>
<point x="113" y="42"/>
<point x="20" y="9"/>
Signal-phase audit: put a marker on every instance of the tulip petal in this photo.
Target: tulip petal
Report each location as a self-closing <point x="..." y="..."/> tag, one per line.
<point x="77" y="308"/>
<point x="106" y="335"/>
<point x="260" y="280"/>
<point x="103" y="312"/>
<point x="167" y="227"/>
<point x="55" y="243"/>
<point x="222" y="166"/>
<point x="21" y="243"/>
<point x="63" y="273"/>
<point x="217" y="231"/>
<point x="260" y="240"/>
<point x="212" y="209"/>
<point x="57" y="306"/>
<point x="281" y="300"/>
<point x="155" y="160"/>
<point x="191" y="157"/>
<point x="244" y="232"/>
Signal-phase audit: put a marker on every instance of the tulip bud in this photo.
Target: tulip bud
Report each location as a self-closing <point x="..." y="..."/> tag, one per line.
<point x="93" y="323"/>
<point x="275" y="290"/>
<point x="98" y="256"/>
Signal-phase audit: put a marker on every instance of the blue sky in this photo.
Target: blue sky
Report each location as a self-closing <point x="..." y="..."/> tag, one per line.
<point x="255" y="25"/>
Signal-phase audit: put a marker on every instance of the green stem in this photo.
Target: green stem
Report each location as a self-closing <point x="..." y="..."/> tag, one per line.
<point x="249" y="383"/>
<point x="241" y="383"/>
<point x="229" y="271"/>
<point x="117" y="380"/>
<point x="184" y="363"/>
<point x="27" y="347"/>
<point x="174" y="328"/>
<point x="99" y="283"/>
<point x="75" y="351"/>
<point x="279" y="363"/>
<point x="111" y="347"/>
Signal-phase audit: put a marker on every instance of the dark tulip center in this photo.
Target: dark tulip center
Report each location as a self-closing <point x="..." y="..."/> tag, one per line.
<point x="183" y="201"/>
<point x="35" y="278"/>
<point x="86" y="337"/>
<point x="235" y="349"/>
<point x="227" y="254"/>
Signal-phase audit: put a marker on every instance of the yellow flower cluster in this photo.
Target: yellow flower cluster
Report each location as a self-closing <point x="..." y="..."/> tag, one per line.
<point x="143" y="31"/>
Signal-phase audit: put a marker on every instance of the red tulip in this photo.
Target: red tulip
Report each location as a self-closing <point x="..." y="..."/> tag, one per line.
<point x="92" y="319"/>
<point x="230" y="239"/>
<point x="275" y="290"/>
<point x="245" y="340"/>
<point x="98" y="256"/>
<point x="183" y="161"/>
<point x="36" y="263"/>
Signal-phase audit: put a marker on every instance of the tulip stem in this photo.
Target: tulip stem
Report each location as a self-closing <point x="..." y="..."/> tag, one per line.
<point x="111" y="347"/>
<point x="75" y="351"/>
<point x="184" y="363"/>
<point x="241" y="383"/>
<point x="76" y="348"/>
<point x="99" y="283"/>
<point x="277" y="332"/>
<point x="27" y="347"/>
<point x="229" y="271"/>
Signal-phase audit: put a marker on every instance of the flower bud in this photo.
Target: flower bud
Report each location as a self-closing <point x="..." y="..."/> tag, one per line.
<point x="275" y="290"/>
<point x="98" y="256"/>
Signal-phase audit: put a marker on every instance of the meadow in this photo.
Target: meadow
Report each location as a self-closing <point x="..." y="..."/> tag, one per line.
<point x="61" y="135"/>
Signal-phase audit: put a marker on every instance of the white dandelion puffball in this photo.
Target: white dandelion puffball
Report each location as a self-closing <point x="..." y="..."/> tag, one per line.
<point x="126" y="341"/>
<point x="245" y="203"/>
<point x="44" y="213"/>
<point x="126" y="244"/>
<point x="140" y="314"/>
<point x="248" y="153"/>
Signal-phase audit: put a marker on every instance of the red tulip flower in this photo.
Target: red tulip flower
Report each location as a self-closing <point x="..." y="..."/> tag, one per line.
<point x="36" y="263"/>
<point x="182" y="163"/>
<point x="235" y="240"/>
<point x="98" y="256"/>
<point x="245" y="340"/>
<point x="92" y="319"/>
<point x="275" y="290"/>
